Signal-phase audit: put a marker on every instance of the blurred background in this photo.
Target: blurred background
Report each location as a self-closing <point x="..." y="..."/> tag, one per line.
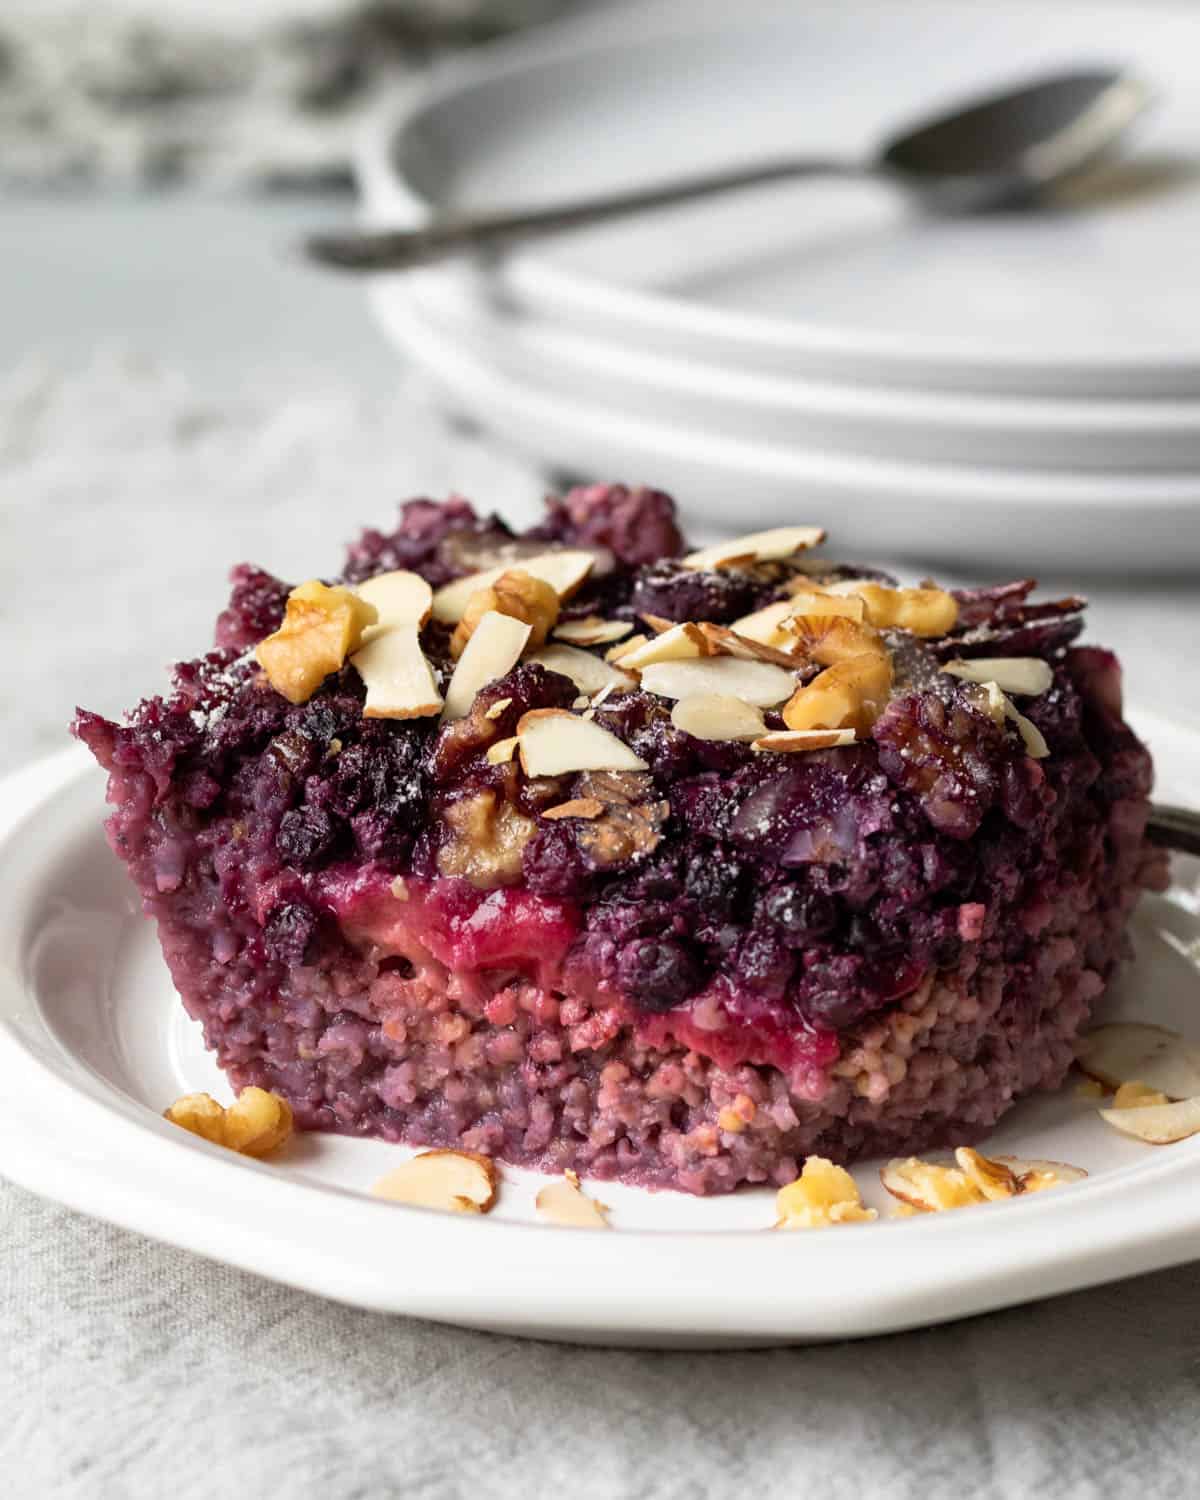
<point x="180" y="388"/>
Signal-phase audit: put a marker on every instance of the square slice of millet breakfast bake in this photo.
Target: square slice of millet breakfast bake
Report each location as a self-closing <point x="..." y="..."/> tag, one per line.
<point x="584" y="850"/>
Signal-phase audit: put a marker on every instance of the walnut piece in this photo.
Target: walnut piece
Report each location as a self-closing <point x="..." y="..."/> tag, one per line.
<point x="321" y="627"/>
<point x="517" y="594"/>
<point x="487" y="837"/>
<point x="256" y="1123"/>
<point x="630" y="824"/>
<point x="823" y="1195"/>
<point x="851" y="694"/>
<point x="923" y="611"/>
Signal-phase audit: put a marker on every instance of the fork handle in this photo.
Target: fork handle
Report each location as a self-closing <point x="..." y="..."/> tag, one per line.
<point x="1176" y="828"/>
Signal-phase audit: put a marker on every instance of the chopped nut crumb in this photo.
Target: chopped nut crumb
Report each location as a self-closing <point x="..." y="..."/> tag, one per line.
<point x="822" y="1195"/>
<point x="497" y="708"/>
<point x="578" y="807"/>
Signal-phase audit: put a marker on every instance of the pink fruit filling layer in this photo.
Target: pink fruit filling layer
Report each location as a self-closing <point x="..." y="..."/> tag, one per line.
<point x="746" y="959"/>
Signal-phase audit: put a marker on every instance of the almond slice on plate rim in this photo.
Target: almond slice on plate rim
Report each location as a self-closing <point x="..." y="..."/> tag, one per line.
<point x="493" y="650"/>
<point x="1035" y="1174"/>
<point x="564" y="571"/>
<point x="460" y="1182"/>
<point x="566" y="1204"/>
<point x="399" y="598"/>
<point x="553" y="742"/>
<point x="1137" y="1052"/>
<point x="589" y="673"/>
<point x="756" y="546"/>
<point x="1027" y="676"/>
<point x="397" y="675"/>
<point x="756" y="682"/>
<point x="592" y="631"/>
<point x="795" y="741"/>
<point x="717" y="716"/>
<point x="1157" y="1124"/>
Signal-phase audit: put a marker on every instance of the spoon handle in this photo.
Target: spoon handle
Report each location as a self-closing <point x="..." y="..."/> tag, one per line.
<point x="394" y="249"/>
<point x="1176" y="828"/>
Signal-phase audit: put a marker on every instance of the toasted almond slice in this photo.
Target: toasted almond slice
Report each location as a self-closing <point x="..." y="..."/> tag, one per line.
<point x="931" y="1187"/>
<point x="553" y="742"/>
<point x="1134" y="1051"/>
<point x="501" y="752"/>
<point x="623" y="648"/>
<point x="577" y="807"/>
<point x="1137" y="1096"/>
<point x="716" y="716"/>
<point x="592" y="631"/>
<point x="818" y="602"/>
<point x="497" y="708"/>
<point x="1035" y="1174"/>
<point x="458" y="1182"/>
<point x="399" y="597"/>
<point x="727" y="642"/>
<point x="755" y="682"/>
<point x="659" y="623"/>
<point x="1157" y="1124"/>
<point x="566" y="1204"/>
<point x="995" y="1180"/>
<point x="398" y="678"/>
<point x="589" y="674"/>
<point x="678" y="643"/>
<point x="564" y="571"/>
<point x="494" y="649"/>
<point x="795" y="741"/>
<point x="756" y="547"/>
<point x="1028" y="676"/>
<point x="763" y="624"/>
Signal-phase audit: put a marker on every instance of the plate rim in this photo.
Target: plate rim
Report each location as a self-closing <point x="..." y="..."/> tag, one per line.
<point x="109" y="1156"/>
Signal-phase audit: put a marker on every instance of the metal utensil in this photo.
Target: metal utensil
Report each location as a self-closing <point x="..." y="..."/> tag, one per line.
<point x="1001" y="150"/>
<point x="1176" y="828"/>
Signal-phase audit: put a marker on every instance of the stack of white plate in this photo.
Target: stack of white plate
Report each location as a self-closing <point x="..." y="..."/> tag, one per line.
<point x="1020" y="387"/>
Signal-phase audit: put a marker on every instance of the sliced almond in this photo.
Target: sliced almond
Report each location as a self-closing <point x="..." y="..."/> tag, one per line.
<point x="577" y="807"/>
<point x="931" y="1187"/>
<point x="399" y="597"/>
<point x="497" y="708"/>
<point x="763" y="624"/>
<point x="553" y="742"/>
<point x="816" y="602"/>
<point x="589" y="674"/>
<point x="1035" y="744"/>
<point x="501" y="752"/>
<point x="592" y="631"/>
<point x="679" y="643"/>
<point x="727" y="642"/>
<point x="793" y="741"/>
<point x="494" y="649"/>
<point x="460" y="1182"/>
<point x="756" y="547"/>
<point x="565" y="1203"/>
<point x="756" y="682"/>
<point x="616" y="653"/>
<point x="564" y="571"/>
<point x="1137" y="1096"/>
<point x="1136" y="1052"/>
<point x="1157" y="1124"/>
<point x="1027" y="676"/>
<point x="994" y="1180"/>
<point x="398" y="678"/>
<point x="1035" y="1174"/>
<point x="716" y="716"/>
<point x="659" y="623"/>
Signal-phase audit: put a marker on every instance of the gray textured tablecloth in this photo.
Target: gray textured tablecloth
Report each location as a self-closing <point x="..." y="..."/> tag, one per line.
<point x="132" y="1370"/>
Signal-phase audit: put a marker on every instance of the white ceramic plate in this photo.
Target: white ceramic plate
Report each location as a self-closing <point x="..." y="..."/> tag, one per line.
<point x="93" y="1044"/>
<point x="837" y="278"/>
<point x="942" y="514"/>
<point x="1007" y="432"/>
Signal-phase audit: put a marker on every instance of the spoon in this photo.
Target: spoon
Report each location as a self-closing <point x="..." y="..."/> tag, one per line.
<point x="1000" y="150"/>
